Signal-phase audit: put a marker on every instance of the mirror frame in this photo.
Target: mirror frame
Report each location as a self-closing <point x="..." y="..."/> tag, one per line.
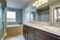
<point x="52" y="7"/>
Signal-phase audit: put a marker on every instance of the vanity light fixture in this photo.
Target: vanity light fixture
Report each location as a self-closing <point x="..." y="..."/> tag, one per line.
<point x="33" y="4"/>
<point x="42" y="1"/>
<point x="38" y="3"/>
<point x="46" y="1"/>
<point x="39" y="0"/>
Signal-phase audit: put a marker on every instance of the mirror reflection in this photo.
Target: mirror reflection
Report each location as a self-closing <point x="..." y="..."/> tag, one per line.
<point x="33" y="14"/>
<point x="43" y="16"/>
<point x="57" y="14"/>
<point x="40" y="14"/>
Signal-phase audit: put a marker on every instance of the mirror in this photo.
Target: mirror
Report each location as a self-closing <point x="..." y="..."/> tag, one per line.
<point x="43" y="14"/>
<point x="56" y="14"/>
<point x="33" y="14"/>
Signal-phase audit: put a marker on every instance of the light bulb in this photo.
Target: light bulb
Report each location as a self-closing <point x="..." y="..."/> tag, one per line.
<point x="33" y="4"/>
<point x="42" y="2"/>
<point x="39" y="4"/>
<point x="36" y="2"/>
<point x="46" y="1"/>
<point x="39" y="0"/>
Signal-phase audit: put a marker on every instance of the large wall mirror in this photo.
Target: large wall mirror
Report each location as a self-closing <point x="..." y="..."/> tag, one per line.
<point x="40" y="14"/>
<point x="33" y="14"/>
<point x="43" y="14"/>
<point x="55" y="14"/>
<point x="49" y="14"/>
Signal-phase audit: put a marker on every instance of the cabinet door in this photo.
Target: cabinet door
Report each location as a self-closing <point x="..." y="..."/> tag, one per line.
<point x="30" y="33"/>
<point x="49" y="36"/>
<point x="25" y="32"/>
<point x="38" y="37"/>
<point x="45" y="35"/>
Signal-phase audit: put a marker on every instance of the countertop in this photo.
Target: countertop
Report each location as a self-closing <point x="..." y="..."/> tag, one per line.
<point x="47" y="28"/>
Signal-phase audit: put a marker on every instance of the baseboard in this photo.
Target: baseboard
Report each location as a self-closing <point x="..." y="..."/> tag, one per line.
<point x="4" y="36"/>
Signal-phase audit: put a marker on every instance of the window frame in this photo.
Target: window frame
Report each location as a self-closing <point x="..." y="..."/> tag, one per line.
<point x="11" y="18"/>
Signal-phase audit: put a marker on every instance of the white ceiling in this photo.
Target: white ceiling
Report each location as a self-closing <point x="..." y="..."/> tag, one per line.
<point x="18" y="4"/>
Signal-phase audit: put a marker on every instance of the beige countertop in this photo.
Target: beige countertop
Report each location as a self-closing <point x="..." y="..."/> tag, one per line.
<point x="50" y="29"/>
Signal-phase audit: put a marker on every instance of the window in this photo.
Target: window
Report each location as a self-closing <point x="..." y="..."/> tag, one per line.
<point x="11" y="16"/>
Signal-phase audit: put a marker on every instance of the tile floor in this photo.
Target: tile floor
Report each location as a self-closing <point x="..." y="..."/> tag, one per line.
<point x="19" y="37"/>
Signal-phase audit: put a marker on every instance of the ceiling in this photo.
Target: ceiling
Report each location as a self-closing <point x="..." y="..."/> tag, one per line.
<point x="18" y="4"/>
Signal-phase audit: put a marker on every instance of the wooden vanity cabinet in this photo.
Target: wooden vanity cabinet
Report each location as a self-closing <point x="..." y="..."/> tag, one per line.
<point x="28" y="32"/>
<point x="25" y="32"/>
<point x="45" y="35"/>
<point x="38" y="35"/>
<point x="31" y="33"/>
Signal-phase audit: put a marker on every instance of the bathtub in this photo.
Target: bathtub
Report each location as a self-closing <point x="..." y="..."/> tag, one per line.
<point x="13" y="30"/>
<point x="15" y="25"/>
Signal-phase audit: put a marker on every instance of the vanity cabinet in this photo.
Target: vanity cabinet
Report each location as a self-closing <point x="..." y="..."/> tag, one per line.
<point x="45" y="35"/>
<point x="38" y="35"/>
<point x="31" y="33"/>
<point x="28" y="32"/>
<point x="25" y="32"/>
